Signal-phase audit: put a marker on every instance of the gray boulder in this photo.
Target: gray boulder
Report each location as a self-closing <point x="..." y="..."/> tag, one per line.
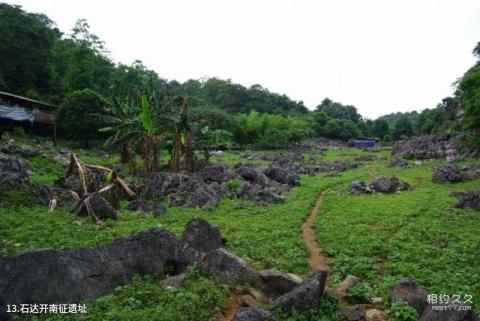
<point x="21" y="150"/>
<point x="228" y="267"/>
<point x="448" y="173"/>
<point x="471" y="171"/>
<point x="200" y="235"/>
<point x="13" y="173"/>
<point x="306" y="296"/>
<point x="282" y="176"/>
<point x="411" y="292"/>
<point x="215" y="173"/>
<point x="259" y="194"/>
<point x="277" y="283"/>
<point x="157" y="209"/>
<point x="352" y="313"/>
<point x="184" y="190"/>
<point x="101" y="208"/>
<point x="247" y="172"/>
<point x="384" y="184"/>
<point x="359" y="187"/>
<point x="253" y="314"/>
<point x="469" y="199"/>
<point x="398" y="162"/>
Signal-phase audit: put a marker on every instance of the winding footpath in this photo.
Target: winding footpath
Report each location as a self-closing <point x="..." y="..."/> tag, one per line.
<point x="316" y="260"/>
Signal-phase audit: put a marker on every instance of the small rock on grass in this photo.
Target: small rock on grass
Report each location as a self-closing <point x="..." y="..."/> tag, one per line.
<point x="352" y="313"/>
<point x="253" y="314"/>
<point x="377" y="300"/>
<point x="175" y="281"/>
<point x="411" y="292"/>
<point x="343" y="286"/>
<point x="375" y="315"/>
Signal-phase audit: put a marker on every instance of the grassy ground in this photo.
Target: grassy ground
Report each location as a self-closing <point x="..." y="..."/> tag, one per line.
<point x="379" y="238"/>
<point x="416" y="234"/>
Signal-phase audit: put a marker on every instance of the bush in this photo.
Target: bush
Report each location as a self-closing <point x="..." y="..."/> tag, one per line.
<point x="401" y="311"/>
<point x="79" y="116"/>
<point x="19" y="132"/>
<point x="233" y="184"/>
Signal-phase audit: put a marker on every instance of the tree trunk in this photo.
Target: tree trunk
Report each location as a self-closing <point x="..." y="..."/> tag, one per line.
<point x="189" y="150"/>
<point x="175" y="158"/>
<point x="125" y="153"/>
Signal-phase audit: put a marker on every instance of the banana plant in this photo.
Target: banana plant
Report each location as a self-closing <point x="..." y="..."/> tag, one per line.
<point x="138" y="126"/>
<point x="210" y="138"/>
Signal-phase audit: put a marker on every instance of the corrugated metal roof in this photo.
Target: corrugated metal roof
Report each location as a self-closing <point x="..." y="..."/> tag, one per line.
<point x="42" y="104"/>
<point x="17" y="113"/>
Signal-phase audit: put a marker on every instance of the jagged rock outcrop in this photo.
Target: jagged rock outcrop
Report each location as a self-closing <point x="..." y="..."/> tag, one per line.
<point x="184" y="190"/>
<point x="277" y="283"/>
<point x="432" y="147"/>
<point x="96" y="206"/>
<point x="20" y="150"/>
<point x="452" y="173"/>
<point x="228" y="267"/>
<point x="253" y="314"/>
<point x="448" y="173"/>
<point x="13" y="173"/>
<point x="306" y="296"/>
<point x="469" y="199"/>
<point x="215" y="173"/>
<point x="200" y="235"/>
<point x="411" y="292"/>
<point x="380" y="184"/>
<point x="398" y="162"/>
<point x="281" y="176"/>
<point x="157" y="209"/>
<point x="359" y="187"/>
<point x="352" y="313"/>
<point x="72" y="276"/>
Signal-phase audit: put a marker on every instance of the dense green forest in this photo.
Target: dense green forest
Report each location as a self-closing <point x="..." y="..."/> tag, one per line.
<point x="39" y="61"/>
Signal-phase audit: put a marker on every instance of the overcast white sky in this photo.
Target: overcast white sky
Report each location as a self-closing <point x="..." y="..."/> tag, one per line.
<point x="381" y="56"/>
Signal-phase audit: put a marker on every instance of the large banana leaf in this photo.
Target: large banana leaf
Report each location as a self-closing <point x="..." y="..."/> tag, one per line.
<point x="145" y="116"/>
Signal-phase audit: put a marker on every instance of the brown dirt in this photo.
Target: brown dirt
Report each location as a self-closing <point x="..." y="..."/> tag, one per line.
<point x="234" y="302"/>
<point x="316" y="260"/>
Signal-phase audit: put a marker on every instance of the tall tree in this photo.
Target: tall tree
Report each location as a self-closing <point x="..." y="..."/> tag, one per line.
<point x="26" y="45"/>
<point x="380" y="128"/>
<point x="338" y="111"/>
<point x="403" y="128"/>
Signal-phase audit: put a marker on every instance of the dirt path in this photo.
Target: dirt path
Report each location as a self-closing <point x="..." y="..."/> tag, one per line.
<point x="233" y="305"/>
<point x="316" y="260"/>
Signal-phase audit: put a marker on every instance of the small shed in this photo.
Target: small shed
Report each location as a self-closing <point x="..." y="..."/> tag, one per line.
<point x="34" y="116"/>
<point x="364" y="142"/>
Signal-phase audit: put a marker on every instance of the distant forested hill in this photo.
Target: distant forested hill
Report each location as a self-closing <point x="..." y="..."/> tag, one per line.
<point x="40" y="61"/>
